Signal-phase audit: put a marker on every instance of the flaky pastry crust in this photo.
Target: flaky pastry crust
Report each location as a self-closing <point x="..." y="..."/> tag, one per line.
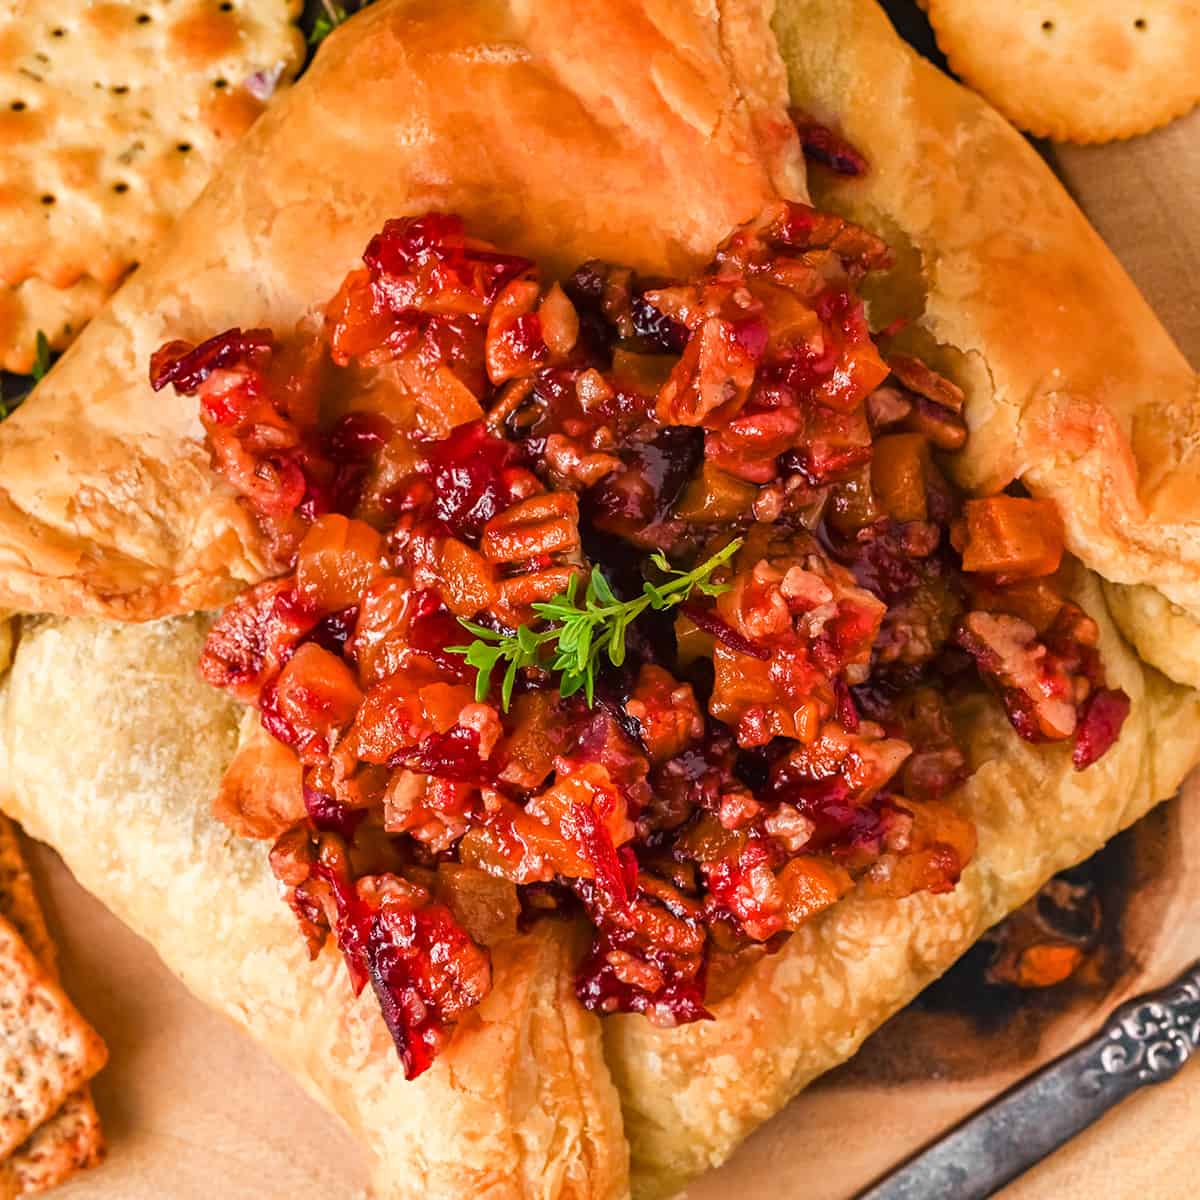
<point x="112" y="748"/>
<point x="1073" y="386"/>
<point x="639" y="131"/>
<point x="671" y="115"/>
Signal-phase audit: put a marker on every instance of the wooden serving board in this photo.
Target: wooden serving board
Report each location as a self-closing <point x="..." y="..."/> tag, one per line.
<point x="194" y="1110"/>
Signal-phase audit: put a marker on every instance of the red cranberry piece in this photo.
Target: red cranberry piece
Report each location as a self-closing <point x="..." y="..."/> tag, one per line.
<point x="712" y="624"/>
<point x="847" y="713"/>
<point x="1104" y="713"/>
<point x="436" y="243"/>
<point x="426" y="971"/>
<point x="600" y="990"/>
<point x="331" y="816"/>
<point x="467" y="471"/>
<point x="667" y="334"/>
<point x="334" y="631"/>
<point x="254" y="637"/>
<point x="187" y="366"/>
<point x="433" y="628"/>
<point x="823" y="146"/>
<point x="451" y="755"/>
<point x="358" y="436"/>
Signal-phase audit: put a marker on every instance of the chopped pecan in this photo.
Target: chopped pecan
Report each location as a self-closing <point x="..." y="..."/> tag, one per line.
<point x="925" y="381"/>
<point x="539" y="526"/>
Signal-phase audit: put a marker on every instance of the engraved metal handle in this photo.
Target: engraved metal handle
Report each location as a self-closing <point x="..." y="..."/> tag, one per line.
<point x="1145" y="1041"/>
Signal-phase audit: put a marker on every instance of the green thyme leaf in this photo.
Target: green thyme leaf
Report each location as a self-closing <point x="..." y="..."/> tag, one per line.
<point x="579" y="636"/>
<point x="41" y="361"/>
<point x="328" y="19"/>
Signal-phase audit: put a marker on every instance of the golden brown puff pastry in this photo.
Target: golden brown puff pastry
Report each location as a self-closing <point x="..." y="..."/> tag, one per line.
<point x="640" y="131"/>
<point x="1072" y="384"/>
<point x="982" y="231"/>
<point x="112" y="748"/>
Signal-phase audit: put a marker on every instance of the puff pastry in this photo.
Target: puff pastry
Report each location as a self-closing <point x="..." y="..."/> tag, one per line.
<point x="109" y="511"/>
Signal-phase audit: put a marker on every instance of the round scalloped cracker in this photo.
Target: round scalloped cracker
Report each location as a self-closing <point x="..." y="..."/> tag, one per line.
<point x="112" y="115"/>
<point x="1076" y="70"/>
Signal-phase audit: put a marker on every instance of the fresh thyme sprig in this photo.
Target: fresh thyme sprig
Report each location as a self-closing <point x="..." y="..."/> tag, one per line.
<point x="578" y="635"/>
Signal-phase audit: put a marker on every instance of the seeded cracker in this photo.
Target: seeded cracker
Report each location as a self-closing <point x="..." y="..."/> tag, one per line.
<point x="71" y="1139"/>
<point x="112" y="117"/>
<point x="1076" y="70"/>
<point x="47" y="1050"/>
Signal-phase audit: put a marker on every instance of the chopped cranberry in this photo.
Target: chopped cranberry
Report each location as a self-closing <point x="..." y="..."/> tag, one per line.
<point x="824" y="146"/>
<point x="330" y="816"/>
<point x="1104" y="713"/>
<point x="712" y="624"/>
<point x="187" y="366"/>
<point x="880" y="562"/>
<point x="597" y="849"/>
<point x="847" y="713"/>
<point x="432" y="628"/>
<point x="334" y="631"/>
<point x="818" y="465"/>
<point x="678" y="1000"/>
<point x="643" y="496"/>
<point x="254" y="637"/>
<point x="468" y="472"/>
<point x="426" y="971"/>
<point x="668" y="335"/>
<point x="423" y="966"/>
<point x="451" y="755"/>
<point x="414" y="259"/>
<point x="358" y="436"/>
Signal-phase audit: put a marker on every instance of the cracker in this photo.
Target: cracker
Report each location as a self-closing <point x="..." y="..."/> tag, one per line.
<point x="72" y="1139"/>
<point x="112" y="116"/>
<point x="18" y="898"/>
<point x="1076" y="70"/>
<point x="35" y="305"/>
<point x="69" y="1141"/>
<point x="47" y="1050"/>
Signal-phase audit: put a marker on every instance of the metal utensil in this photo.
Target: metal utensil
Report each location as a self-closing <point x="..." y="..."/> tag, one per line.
<point x="1145" y="1041"/>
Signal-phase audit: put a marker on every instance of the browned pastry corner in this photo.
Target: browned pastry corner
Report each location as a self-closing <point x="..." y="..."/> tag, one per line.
<point x="640" y="132"/>
<point x="126" y="519"/>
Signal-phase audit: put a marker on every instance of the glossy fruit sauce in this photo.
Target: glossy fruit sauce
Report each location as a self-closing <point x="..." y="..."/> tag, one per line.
<point x="459" y="440"/>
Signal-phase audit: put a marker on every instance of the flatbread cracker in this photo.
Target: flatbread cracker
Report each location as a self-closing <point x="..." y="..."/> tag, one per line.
<point x="18" y="899"/>
<point x="112" y="115"/>
<point x="71" y="1139"/>
<point x="47" y="1050"/>
<point x="35" y="305"/>
<point x="1076" y="70"/>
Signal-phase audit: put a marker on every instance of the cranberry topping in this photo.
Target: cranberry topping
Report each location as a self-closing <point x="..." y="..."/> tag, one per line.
<point x="468" y="473"/>
<point x="783" y="736"/>
<point x="824" y="146"/>
<point x="186" y="366"/>
<point x="1103" y="714"/>
<point x="708" y="620"/>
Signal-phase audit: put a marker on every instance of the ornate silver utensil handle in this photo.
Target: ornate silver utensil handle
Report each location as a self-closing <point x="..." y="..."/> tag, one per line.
<point x="1145" y="1041"/>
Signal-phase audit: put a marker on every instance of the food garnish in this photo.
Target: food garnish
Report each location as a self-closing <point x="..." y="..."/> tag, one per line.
<point x="582" y="634"/>
<point x="41" y="360"/>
